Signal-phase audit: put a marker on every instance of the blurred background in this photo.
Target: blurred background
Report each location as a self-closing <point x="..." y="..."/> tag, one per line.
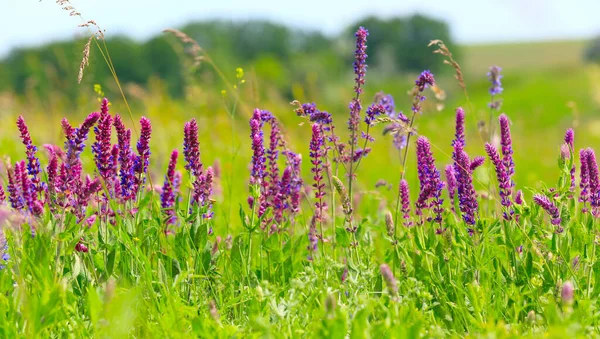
<point x="303" y="51"/>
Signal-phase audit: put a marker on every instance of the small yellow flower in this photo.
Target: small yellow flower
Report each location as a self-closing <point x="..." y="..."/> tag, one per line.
<point x="239" y="73"/>
<point x="136" y="239"/>
<point x="223" y="93"/>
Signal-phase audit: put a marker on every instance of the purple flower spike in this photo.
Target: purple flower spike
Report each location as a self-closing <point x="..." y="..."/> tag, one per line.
<point x="14" y="188"/>
<point x="467" y="196"/>
<point x="258" y="149"/>
<point x="52" y="171"/>
<point x="459" y="136"/>
<point x="429" y="178"/>
<point x="316" y="156"/>
<point x="549" y="207"/>
<point x="295" y="163"/>
<point x="594" y="181"/>
<point x="102" y="147"/>
<point x="127" y="177"/>
<point x="360" y="69"/>
<point x="142" y="161"/>
<point x="373" y="112"/>
<point x="507" y="151"/>
<point x="360" y="55"/>
<point x="203" y="187"/>
<point x="495" y="77"/>
<point x="2" y="195"/>
<point x="451" y="183"/>
<point x="476" y="162"/>
<point x="570" y="138"/>
<point x="424" y="80"/>
<point x="405" y="200"/>
<point x="272" y="187"/>
<point x="191" y="149"/>
<point x="570" y="141"/>
<point x="33" y="163"/>
<point x="501" y="175"/>
<point x="519" y="197"/>
<point x="584" y="180"/>
<point x="169" y="192"/>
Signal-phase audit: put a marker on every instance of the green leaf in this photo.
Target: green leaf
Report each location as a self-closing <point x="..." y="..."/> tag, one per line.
<point x="110" y="261"/>
<point x="341" y="236"/>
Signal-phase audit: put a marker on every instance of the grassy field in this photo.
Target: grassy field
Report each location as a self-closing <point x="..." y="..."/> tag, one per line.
<point x="230" y="276"/>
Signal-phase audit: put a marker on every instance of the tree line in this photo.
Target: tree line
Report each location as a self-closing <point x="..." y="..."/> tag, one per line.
<point x="277" y="54"/>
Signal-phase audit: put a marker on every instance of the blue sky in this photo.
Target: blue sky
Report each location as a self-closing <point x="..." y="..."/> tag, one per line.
<point x="32" y="22"/>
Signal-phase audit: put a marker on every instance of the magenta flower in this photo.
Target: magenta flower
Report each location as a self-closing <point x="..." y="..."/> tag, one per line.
<point x="280" y="202"/>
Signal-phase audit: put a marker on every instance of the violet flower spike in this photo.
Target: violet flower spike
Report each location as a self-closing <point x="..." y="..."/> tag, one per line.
<point x="476" y="162"/>
<point x="167" y="196"/>
<point x="570" y="140"/>
<point x="102" y="147"/>
<point x="33" y="163"/>
<point x="507" y="151"/>
<point x="584" y="179"/>
<point x="549" y="207"/>
<point x="494" y="76"/>
<point x="142" y="161"/>
<point x="451" y="184"/>
<point x="316" y="156"/>
<point x="501" y="175"/>
<point x="258" y="149"/>
<point x="429" y="178"/>
<point x="191" y="149"/>
<point x="14" y="188"/>
<point x="405" y="200"/>
<point x="125" y="157"/>
<point x="424" y="80"/>
<point x="272" y="187"/>
<point x="360" y="69"/>
<point x="467" y="196"/>
<point x="594" y="180"/>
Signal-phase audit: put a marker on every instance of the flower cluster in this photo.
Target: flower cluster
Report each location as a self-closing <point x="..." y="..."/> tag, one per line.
<point x="463" y="172"/>
<point x="495" y="79"/>
<point x="170" y="189"/>
<point x="316" y="156"/>
<point x="429" y="179"/>
<point x="549" y="207"/>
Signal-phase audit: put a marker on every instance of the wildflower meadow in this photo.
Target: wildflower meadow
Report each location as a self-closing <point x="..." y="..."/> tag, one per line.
<point x="117" y="231"/>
